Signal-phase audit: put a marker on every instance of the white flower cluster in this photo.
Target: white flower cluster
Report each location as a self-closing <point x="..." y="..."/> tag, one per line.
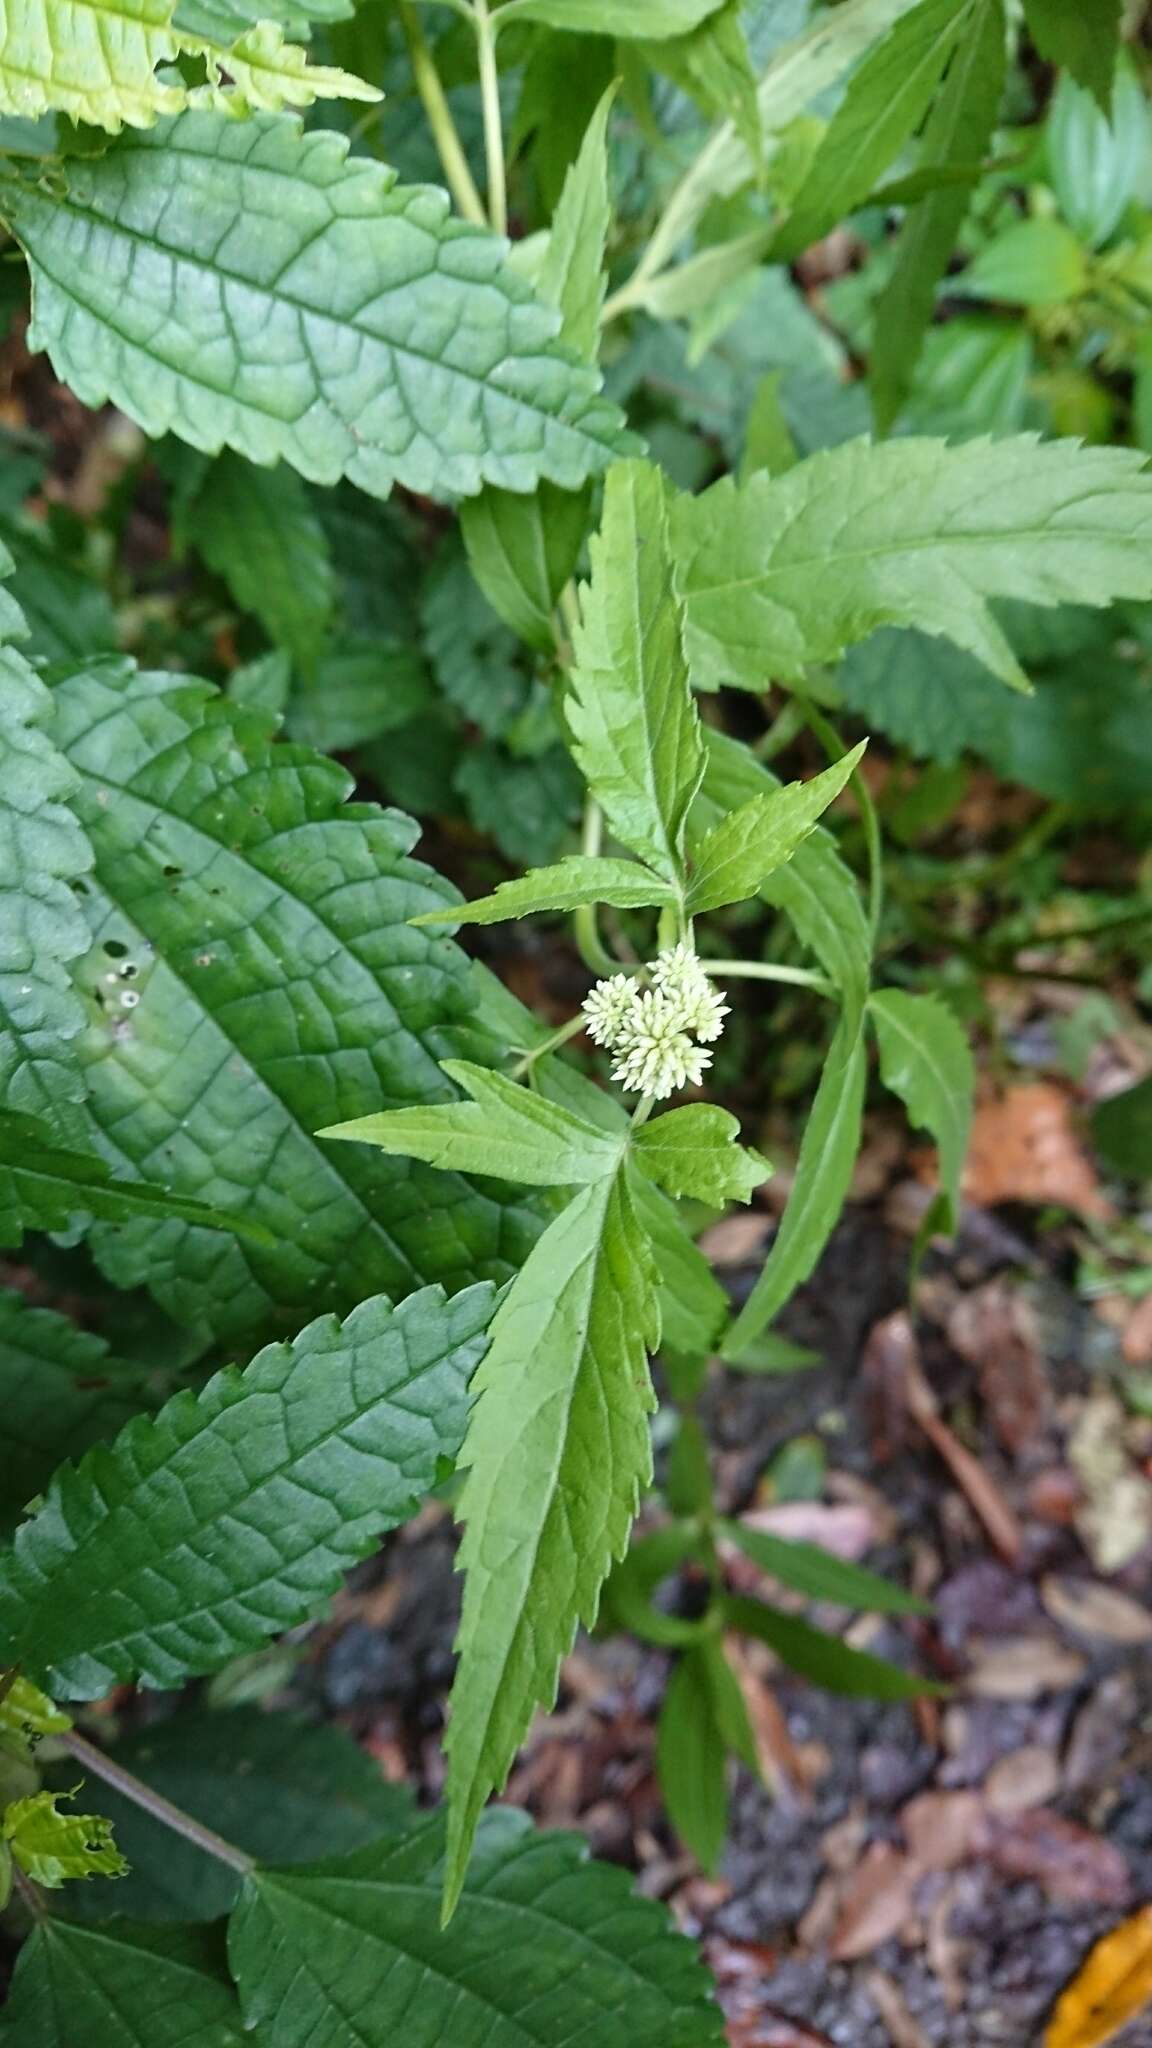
<point x="660" y="1035"/>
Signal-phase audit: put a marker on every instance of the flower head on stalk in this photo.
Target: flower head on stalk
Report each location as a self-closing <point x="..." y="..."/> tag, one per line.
<point x="658" y="1035"/>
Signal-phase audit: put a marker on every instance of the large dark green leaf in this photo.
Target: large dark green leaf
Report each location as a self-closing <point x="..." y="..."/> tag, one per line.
<point x="122" y="1986"/>
<point x="59" y="1392"/>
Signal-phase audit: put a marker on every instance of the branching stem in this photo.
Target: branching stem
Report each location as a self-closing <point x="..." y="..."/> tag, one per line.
<point x="161" y="1809"/>
<point x="493" y="125"/>
<point x="767" y="970"/>
<point x="457" y="175"/>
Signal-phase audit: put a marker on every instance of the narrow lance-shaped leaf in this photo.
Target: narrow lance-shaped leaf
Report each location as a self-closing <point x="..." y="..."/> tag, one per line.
<point x="612" y="17"/>
<point x="572" y="274"/>
<point x="824" y="1658"/>
<point x="792" y="570"/>
<point x="956" y="134"/>
<point x="884" y="104"/>
<point x="635" y="731"/>
<point x="926" y="1060"/>
<point x="714" y="64"/>
<point x="693" y="1151"/>
<point x="122" y="1986"/>
<point x="355" y="329"/>
<point x="506" y="1129"/>
<point x="579" y="879"/>
<point x="702" y="1708"/>
<point x="736" y="858"/>
<point x="1082" y="40"/>
<point x="546" y="1947"/>
<point x="232" y="1514"/>
<point x="816" y="1572"/>
<point x="45" y="1186"/>
<point x="556" y="1454"/>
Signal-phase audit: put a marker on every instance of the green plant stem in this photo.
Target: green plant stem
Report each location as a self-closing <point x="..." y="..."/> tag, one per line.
<point x="7" y="1681"/>
<point x="585" y="929"/>
<point x="557" y="1038"/>
<point x="161" y="1809"/>
<point x="835" y="748"/>
<point x="31" y="1893"/>
<point x="767" y="970"/>
<point x="449" y="147"/>
<point x="643" y="1110"/>
<point x="493" y="127"/>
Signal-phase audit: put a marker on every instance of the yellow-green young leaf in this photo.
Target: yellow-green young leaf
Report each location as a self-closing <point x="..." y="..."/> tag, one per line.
<point x="506" y="1129"/>
<point x="122" y="1986"/>
<point x="926" y="1060"/>
<point x="52" y="1847"/>
<point x="579" y="879"/>
<point x="703" y="1718"/>
<point x="556" y="1454"/>
<point x="572" y="274"/>
<point x="827" y="1155"/>
<point x="96" y="61"/>
<point x="1082" y="40"/>
<point x="27" y="1714"/>
<point x="957" y="132"/>
<point x="635" y="731"/>
<point x="792" y="570"/>
<point x="738" y="855"/>
<point x="233" y="1514"/>
<point x="693" y="1151"/>
<point x="1096" y="160"/>
<point x="884" y="104"/>
<point x="352" y="328"/>
<point x="522" y="549"/>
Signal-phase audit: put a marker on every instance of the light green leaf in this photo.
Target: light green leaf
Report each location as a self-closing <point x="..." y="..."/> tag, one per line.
<point x="263" y="921"/>
<point x="223" y="20"/>
<point x="121" y="1986"/>
<point x="45" y="1186"/>
<point x="693" y="1305"/>
<point x="884" y="104"/>
<point x="926" y="1060"/>
<point x="1097" y="160"/>
<point x="1033" y="263"/>
<point x="791" y="570"/>
<point x="627" y="18"/>
<point x="714" y="64"/>
<point x="52" y="1847"/>
<point x="506" y="1129"/>
<point x="702" y="1706"/>
<point x="735" y="859"/>
<point x="823" y="1658"/>
<point x="429" y="364"/>
<point x="815" y="889"/>
<point x="808" y="1569"/>
<point x="572" y="275"/>
<point x="59" y="1393"/>
<point x="27" y="1714"/>
<point x="957" y="132"/>
<point x="522" y="549"/>
<point x="1084" y="40"/>
<point x="579" y="879"/>
<point x="279" y="1788"/>
<point x="546" y="1948"/>
<point x="257" y="528"/>
<point x="823" y="1171"/>
<point x="556" y="1454"/>
<point x="693" y="1151"/>
<point x="232" y="1514"/>
<point x="696" y="283"/>
<point x="636" y="735"/>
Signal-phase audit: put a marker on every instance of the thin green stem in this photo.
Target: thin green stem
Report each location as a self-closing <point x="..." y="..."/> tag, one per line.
<point x="459" y="178"/>
<point x="493" y="125"/>
<point x="31" y="1893"/>
<point x="835" y="748"/>
<point x="585" y="929"/>
<point x="161" y="1809"/>
<point x="767" y="970"/>
<point x="7" y="1681"/>
<point x="557" y="1038"/>
<point x="643" y="1110"/>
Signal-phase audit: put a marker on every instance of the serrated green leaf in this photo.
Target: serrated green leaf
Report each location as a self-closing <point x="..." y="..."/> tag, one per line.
<point x="636" y="735"/>
<point x="957" y="132"/>
<point x="528" y="806"/>
<point x="736" y="857"/>
<point x="27" y="1714"/>
<point x="1096" y="159"/>
<point x="1033" y="263"/>
<point x="815" y="889"/>
<point x="612" y="17"/>
<point x="701" y="1703"/>
<point x="546" y="1947"/>
<point x="46" y="1186"/>
<point x="42" y="927"/>
<point x="886" y="100"/>
<point x="122" y="1987"/>
<point x="1084" y="40"/>
<point x="926" y="1060"/>
<point x="693" y="1151"/>
<point x="52" y="1847"/>
<point x="788" y="571"/>
<point x="506" y="1129"/>
<point x="572" y="274"/>
<point x="283" y="1791"/>
<point x="522" y="551"/>
<point x="556" y="1454"/>
<point x="693" y="1305"/>
<point x="358" y="690"/>
<point x="824" y="1658"/>
<point x="428" y="363"/>
<point x="232" y="1514"/>
<point x="60" y="1392"/>
<point x="823" y="1171"/>
<point x="280" y="987"/>
<point x="473" y="655"/>
<point x="580" y="879"/>
<point x="257" y="528"/>
<point x="68" y="614"/>
<point x="808" y="1569"/>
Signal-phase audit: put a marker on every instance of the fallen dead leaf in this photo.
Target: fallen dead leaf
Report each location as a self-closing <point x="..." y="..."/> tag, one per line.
<point x="1114" y="1987"/>
<point x="737" y="1239"/>
<point x="875" y="1903"/>
<point x="849" y="1532"/>
<point x="1025" y="1148"/>
<point x="942" y="1829"/>
<point x="743" y="1971"/>
<point x="780" y="1765"/>
<point x="1087" y="1608"/>
<point x="1023" y="1779"/>
<point x="887" y="1997"/>
<point x="1115" y="1518"/>
<point x="1136" y="1342"/>
<point x="977" y="1485"/>
<point x="1022" y="1669"/>
<point x="994" y="1328"/>
<point x="1069" y="1862"/>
